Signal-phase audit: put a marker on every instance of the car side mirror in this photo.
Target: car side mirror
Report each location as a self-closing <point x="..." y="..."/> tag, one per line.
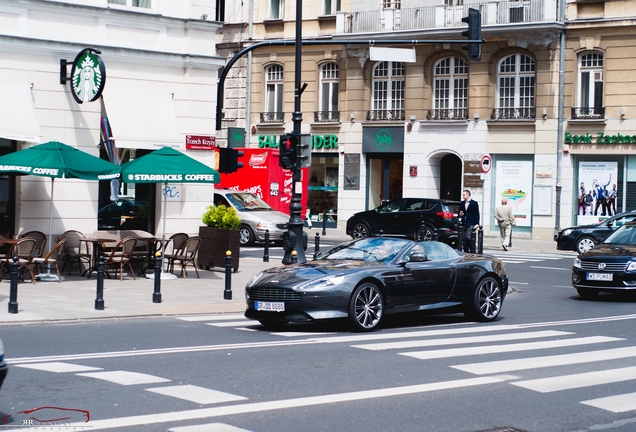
<point x="418" y="257"/>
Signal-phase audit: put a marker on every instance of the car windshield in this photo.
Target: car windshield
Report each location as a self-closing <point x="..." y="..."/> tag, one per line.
<point x="247" y="202"/>
<point x="371" y="249"/>
<point x="625" y="235"/>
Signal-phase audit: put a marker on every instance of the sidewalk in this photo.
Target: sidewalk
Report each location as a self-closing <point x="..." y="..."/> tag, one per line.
<point x="74" y="298"/>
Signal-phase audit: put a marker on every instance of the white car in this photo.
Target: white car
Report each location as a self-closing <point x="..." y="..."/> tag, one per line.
<point x="256" y="216"/>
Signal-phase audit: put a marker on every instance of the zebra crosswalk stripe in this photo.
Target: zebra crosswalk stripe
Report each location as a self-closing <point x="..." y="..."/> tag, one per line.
<point x="616" y="404"/>
<point x="580" y="380"/>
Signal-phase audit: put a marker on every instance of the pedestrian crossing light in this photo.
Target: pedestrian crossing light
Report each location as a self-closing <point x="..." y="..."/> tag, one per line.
<point x="228" y="160"/>
<point x="288" y="148"/>
<point x="473" y="34"/>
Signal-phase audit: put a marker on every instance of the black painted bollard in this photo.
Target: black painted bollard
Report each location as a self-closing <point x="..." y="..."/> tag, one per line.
<point x="99" y="300"/>
<point x="316" y="245"/>
<point x="227" y="293"/>
<point x="156" y="295"/>
<point x="460" y="240"/>
<point x="13" y="290"/>
<point x="473" y="241"/>
<point x="480" y="241"/>
<point x="510" y="242"/>
<point x="324" y="223"/>
<point x="266" y="247"/>
<point x="294" y="257"/>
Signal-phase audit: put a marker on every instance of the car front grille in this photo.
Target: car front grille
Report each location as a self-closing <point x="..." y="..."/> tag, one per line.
<point x="609" y="267"/>
<point x="281" y="226"/>
<point x="274" y="294"/>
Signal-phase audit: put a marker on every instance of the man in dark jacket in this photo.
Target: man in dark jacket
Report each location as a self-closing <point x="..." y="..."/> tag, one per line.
<point x="469" y="211"/>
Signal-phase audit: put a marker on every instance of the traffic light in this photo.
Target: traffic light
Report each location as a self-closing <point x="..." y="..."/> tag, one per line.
<point x="473" y="33"/>
<point x="228" y="160"/>
<point x="305" y="151"/>
<point x="288" y="148"/>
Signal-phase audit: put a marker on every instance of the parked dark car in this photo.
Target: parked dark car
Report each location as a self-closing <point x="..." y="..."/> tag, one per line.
<point x="405" y="216"/>
<point x="3" y="365"/>
<point x="584" y="237"/>
<point x="364" y="279"/>
<point x="609" y="266"/>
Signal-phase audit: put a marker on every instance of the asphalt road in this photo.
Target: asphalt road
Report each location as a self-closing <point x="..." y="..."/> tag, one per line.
<point x="552" y="362"/>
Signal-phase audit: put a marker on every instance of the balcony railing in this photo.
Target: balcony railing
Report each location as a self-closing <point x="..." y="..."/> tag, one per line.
<point x="588" y="113"/>
<point x="326" y="116"/>
<point x="447" y="114"/>
<point x="435" y="17"/>
<point x="513" y="113"/>
<point x="385" y="115"/>
<point x="272" y="117"/>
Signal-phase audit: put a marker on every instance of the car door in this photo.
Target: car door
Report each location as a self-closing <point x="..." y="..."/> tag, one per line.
<point x="410" y="218"/>
<point x="386" y="218"/>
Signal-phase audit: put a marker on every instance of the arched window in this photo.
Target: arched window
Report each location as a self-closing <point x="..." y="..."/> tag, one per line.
<point x="450" y="88"/>
<point x="273" y="94"/>
<point x="590" y="100"/>
<point x="329" y="77"/>
<point x="388" y="92"/>
<point x="515" y="89"/>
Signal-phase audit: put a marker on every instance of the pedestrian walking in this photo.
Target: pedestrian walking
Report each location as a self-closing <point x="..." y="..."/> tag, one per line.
<point x="469" y="211"/>
<point x="505" y="220"/>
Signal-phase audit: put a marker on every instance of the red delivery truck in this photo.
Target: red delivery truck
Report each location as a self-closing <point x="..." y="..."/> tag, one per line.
<point x="262" y="176"/>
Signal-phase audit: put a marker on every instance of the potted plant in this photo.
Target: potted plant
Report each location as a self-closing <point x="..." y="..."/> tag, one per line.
<point x="220" y="234"/>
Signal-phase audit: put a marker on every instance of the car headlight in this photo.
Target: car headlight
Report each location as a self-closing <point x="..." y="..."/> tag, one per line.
<point x="254" y="279"/>
<point x="566" y="233"/>
<point x="631" y="266"/>
<point x="265" y="225"/>
<point x="577" y="263"/>
<point x="321" y="283"/>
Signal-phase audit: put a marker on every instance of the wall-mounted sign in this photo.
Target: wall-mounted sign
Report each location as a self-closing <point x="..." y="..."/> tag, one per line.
<point x="200" y="142"/>
<point x="413" y="171"/>
<point x="88" y="76"/>
<point x="383" y="140"/>
<point x="326" y="142"/>
<point x="268" y="141"/>
<point x="235" y="137"/>
<point x="600" y="138"/>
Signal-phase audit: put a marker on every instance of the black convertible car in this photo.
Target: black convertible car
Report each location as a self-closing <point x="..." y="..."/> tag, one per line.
<point x="367" y="278"/>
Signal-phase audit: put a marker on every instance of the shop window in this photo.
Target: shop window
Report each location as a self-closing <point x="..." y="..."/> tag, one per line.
<point x="273" y="95"/>
<point x="142" y="4"/>
<point x="388" y="91"/>
<point x="515" y="88"/>
<point x="329" y="77"/>
<point x="590" y="97"/>
<point x="450" y="88"/>
<point x="323" y="190"/>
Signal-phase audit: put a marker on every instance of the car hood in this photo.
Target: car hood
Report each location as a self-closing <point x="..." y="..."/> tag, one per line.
<point x="580" y="227"/>
<point x="298" y="273"/>
<point x="272" y="216"/>
<point x="610" y="250"/>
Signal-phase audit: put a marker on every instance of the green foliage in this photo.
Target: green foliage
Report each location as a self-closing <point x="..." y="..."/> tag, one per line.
<point x="222" y="217"/>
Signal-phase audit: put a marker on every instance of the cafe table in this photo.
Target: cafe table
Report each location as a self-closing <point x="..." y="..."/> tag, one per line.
<point x="98" y="250"/>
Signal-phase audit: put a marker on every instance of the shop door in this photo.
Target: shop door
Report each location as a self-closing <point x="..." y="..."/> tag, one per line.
<point x="450" y="178"/>
<point x="385" y="179"/>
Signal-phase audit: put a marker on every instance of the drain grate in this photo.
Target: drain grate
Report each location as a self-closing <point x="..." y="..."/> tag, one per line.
<point x="503" y="429"/>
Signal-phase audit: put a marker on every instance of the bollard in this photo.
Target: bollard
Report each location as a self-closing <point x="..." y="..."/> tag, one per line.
<point x="435" y="235"/>
<point x="294" y="257"/>
<point x="13" y="290"/>
<point x="316" y="245"/>
<point x="510" y="242"/>
<point x="460" y="242"/>
<point x="99" y="301"/>
<point x="480" y="241"/>
<point x="227" y="294"/>
<point x="473" y="240"/>
<point x="324" y="223"/>
<point x="156" y="296"/>
<point x="266" y="248"/>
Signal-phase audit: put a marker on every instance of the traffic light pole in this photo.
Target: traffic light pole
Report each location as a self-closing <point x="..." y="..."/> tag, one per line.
<point x="295" y="221"/>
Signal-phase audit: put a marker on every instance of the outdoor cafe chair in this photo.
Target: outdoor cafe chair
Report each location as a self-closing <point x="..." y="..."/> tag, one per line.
<point x="40" y="237"/>
<point x="75" y="250"/>
<point x="188" y="255"/>
<point x="50" y="260"/>
<point x="174" y="247"/>
<point x="23" y="250"/>
<point x="121" y="256"/>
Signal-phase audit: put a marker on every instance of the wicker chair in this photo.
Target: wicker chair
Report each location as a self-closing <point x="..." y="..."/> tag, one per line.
<point x="40" y="237"/>
<point x="23" y="250"/>
<point x="51" y="259"/>
<point x="75" y="250"/>
<point x="121" y="256"/>
<point x="174" y="247"/>
<point x="187" y="255"/>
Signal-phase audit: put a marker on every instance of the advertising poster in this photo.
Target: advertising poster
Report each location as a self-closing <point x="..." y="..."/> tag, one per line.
<point x="513" y="180"/>
<point x="597" y="193"/>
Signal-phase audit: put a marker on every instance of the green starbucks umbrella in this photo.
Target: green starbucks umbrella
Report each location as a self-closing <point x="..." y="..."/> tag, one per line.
<point x="167" y="165"/>
<point x="57" y="160"/>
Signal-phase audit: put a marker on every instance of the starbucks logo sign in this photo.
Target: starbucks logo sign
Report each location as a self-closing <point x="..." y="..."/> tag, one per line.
<point x="88" y="76"/>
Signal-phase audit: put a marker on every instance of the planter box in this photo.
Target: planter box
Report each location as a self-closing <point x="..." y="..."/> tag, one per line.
<point x="214" y="243"/>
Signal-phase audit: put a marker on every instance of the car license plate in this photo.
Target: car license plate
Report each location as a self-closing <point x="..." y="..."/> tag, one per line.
<point x="269" y="306"/>
<point x="600" y="276"/>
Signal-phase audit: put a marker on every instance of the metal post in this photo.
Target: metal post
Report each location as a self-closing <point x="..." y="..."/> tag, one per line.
<point x="99" y="301"/>
<point x="421" y="236"/>
<point x="510" y="242"/>
<point x="227" y="294"/>
<point x="156" y="296"/>
<point x="324" y="222"/>
<point x="316" y="245"/>
<point x="13" y="289"/>
<point x="480" y="241"/>
<point x="473" y="240"/>
<point x="266" y="248"/>
<point x="294" y="257"/>
<point x="460" y="242"/>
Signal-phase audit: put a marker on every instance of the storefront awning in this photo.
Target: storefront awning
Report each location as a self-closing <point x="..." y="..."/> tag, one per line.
<point x="17" y="114"/>
<point x="142" y="120"/>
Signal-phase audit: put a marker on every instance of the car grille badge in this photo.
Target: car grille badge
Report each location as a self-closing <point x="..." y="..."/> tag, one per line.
<point x="601" y="266"/>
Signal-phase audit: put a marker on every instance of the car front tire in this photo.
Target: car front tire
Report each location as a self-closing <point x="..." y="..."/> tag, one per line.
<point x="426" y="232"/>
<point x="486" y="302"/>
<point x="584" y="244"/>
<point x="587" y="293"/>
<point x="360" y="230"/>
<point x="246" y="236"/>
<point x="366" y="307"/>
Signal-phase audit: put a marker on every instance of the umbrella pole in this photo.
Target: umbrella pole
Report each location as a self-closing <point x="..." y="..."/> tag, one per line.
<point x="48" y="277"/>
<point x="164" y="274"/>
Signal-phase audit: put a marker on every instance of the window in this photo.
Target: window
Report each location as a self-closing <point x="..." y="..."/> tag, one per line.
<point x="388" y="91"/>
<point x="450" y="88"/>
<point x="395" y="4"/>
<point x="329" y="76"/>
<point x="144" y="4"/>
<point x="274" y="93"/>
<point x="516" y="87"/>
<point x="331" y="7"/>
<point x="276" y="9"/>
<point x="591" y="83"/>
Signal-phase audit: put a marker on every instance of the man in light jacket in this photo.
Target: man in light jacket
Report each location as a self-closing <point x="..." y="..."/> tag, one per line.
<point x="505" y="220"/>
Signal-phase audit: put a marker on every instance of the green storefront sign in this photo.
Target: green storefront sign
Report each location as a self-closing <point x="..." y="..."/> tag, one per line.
<point x="318" y="142"/>
<point x="600" y="138"/>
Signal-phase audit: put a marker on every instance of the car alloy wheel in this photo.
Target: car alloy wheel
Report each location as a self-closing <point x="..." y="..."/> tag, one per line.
<point x="246" y="236"/>
<point x="424" y="234"/>
<point x="584" y="244"/>
<point x="360" y="230"/>
<point x="486" y="302"/>
<point x="367" y="307"/>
